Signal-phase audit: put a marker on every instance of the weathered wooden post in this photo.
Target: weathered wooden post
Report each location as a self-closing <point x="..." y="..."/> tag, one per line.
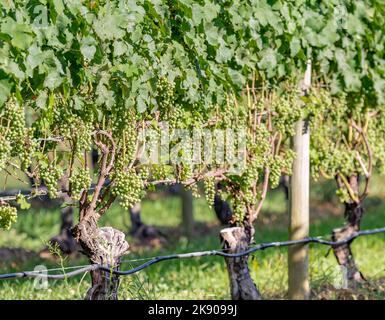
<point x="187" y="212"/>
<point x="299" y="288"/>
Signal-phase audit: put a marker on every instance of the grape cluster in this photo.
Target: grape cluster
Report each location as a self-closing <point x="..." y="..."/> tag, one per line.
<point x="278" y="165"/>
<point x="165" y="94"/>
<point x="144" y="172"/>
<point x="287" y="109"/>
<point x="74" y="128"/>
<point x="129" y="140"/>
<point x="209" y="185"/>
<point x="194" y="190"/>
<point x="239" y="208"/>
<point x="152" y="141"/>
<point x="13" y="124"/>
<point x="5" y="152"/>
<point x="26" y="154"/>
<point x="128" y="186"/>
<point x="159" y="171"/>
<point x="185" y="172"/>
<point x="343" y="195"/>
<point x="79" y="181"/>
<point x="83" y="137"/>
<point x="50" y="176"/>
<point x="170" y="110"/>
<point x="8" y="215"/>
<point x="14" y="135"/>
<point x="175" y="117"/>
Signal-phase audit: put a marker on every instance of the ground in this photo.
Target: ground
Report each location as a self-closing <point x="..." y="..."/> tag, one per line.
<point x="202" y="278"/>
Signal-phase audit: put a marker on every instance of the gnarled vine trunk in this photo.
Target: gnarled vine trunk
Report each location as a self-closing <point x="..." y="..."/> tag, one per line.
<point x="343" y="253"/>
<point x="103" y="246"/>
<point x="235" y="240"/>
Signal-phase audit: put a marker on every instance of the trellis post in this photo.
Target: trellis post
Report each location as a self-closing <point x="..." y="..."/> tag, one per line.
<point x="298" y="259"/>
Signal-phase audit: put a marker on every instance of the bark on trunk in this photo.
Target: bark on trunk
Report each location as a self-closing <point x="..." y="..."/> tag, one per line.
<point x="242" y="287"/>
<point x="343" y="253"/>
<point x="103" y="246"/>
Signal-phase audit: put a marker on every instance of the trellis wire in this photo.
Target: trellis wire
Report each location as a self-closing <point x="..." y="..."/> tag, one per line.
<point x="154" y="260"/>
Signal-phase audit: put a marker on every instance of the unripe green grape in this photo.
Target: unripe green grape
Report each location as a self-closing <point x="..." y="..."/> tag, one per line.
<point x="194" y="190"/>
<point x="8" y="215"/>
<point x="79" y="181"/>
<point x="128" y="186"/>
<point x="51" y="176"/>
<point x="209" y="185"/>
<point x="5" y="152"/>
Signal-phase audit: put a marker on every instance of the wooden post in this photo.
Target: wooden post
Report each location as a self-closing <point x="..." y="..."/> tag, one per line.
<point x="187" y="212"/>
<point x="298" y="263"/>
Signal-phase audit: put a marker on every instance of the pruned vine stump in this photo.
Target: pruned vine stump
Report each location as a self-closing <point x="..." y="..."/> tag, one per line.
<point x="242" y="287"/>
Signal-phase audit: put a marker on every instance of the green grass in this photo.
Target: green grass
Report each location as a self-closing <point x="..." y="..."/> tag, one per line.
<point x="206" y="277"/>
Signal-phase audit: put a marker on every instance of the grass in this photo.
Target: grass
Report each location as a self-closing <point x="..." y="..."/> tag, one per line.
<point x="206" y="277"/>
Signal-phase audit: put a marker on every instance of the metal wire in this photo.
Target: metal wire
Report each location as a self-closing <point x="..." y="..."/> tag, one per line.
<point x="154" y="260"/>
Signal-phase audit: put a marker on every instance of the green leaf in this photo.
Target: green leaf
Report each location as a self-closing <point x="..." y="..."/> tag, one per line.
<point x="34" y="58"/>
<point x="20" y="200"/>
<point x="352" y="80"/>
<point x="210" y="10"/>
<point x="20" y="34"/>
<point x="236" y="77"/>
<point x="269" y="60"/>
<point x="53" y="80"/>
<point x="223" y="54"/>
<point x="88" y="48"/>
<point x="141" y="105"/>
<point x="295" y="46"/>
<point x="5" y="90"/>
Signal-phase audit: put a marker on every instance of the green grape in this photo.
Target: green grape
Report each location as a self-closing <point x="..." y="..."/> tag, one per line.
<point x="79" y="181"/>
<point x="165" y="95"/>
<point x="128" y="186"/>
<point x="152" y="142"/>
<point x="343" y="195"/>
<point x="5" y="152"/>
<point x="287" y="109"/>
<point x="129" y="139"/>
<point x="83" y="137"/>
<point x="8" y="215"/>
<point x="74" y="128"/>
<point x="239" y="209"/>
<point x="175" y="117"/>
<point x="209" y="185"/>
<point x="276" y="165"/>
<point x="13" y="126"/>
<point x="158" y="172"/>
<point x="144" y="172"/>
<point x="50" y="176"/>
<point x="194" y="190"/>
<point x="185" y="172"/>
<point x="26" y="154"/>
